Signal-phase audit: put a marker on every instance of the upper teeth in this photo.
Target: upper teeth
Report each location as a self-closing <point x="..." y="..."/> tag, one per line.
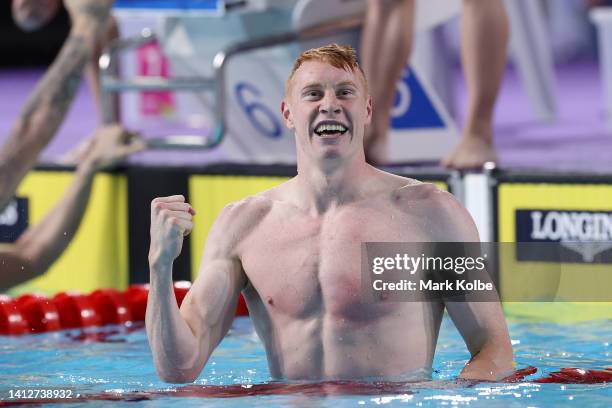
<point x="330" y="128"/>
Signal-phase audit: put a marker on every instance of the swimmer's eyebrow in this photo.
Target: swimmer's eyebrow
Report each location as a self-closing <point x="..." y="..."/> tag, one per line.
<point x="312" y="85"/>
<point x="318" y="85"/>
<point x="346" y="83"/>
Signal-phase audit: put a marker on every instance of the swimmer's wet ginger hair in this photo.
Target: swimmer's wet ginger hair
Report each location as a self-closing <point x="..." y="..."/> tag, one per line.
<point x="338" y="56"/>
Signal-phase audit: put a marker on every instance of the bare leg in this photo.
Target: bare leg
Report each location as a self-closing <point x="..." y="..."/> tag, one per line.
<point x="386" y="43"/>
<point x="484" y="40"/>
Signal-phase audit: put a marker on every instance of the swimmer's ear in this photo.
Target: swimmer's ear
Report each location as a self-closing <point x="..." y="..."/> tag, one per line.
<point x="286" y="112"/>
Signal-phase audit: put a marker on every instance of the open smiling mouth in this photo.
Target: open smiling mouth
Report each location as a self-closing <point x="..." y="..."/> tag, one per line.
<point x="330" y="128"/>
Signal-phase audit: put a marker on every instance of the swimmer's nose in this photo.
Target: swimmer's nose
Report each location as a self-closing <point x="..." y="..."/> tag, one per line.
<point x="329" y="104"/>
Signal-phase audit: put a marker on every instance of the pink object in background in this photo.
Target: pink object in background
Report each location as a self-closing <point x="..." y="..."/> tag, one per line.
<point x="152" y="62"/>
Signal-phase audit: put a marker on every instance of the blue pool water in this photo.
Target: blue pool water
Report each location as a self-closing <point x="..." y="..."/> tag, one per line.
<point x="122" y="363"/>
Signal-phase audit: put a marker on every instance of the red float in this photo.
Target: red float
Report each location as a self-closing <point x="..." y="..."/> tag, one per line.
<point x="40" y="313"/>
<point x="11" y="320"/>
<point x="241" y="309"/>
<point x="137" y="296"/>
<point x="75" y="310"/>
<point x="180" y="290"/>
<point x="111" y="306"/>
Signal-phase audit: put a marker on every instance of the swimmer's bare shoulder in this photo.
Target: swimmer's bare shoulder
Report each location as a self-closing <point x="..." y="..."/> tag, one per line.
<point x="447" y="218"/>
<point x="238" y="220"/>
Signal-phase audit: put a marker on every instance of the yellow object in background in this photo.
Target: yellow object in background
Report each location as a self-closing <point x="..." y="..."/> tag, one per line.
<point x="575" y="278"/>
<point x="97" y="257"/>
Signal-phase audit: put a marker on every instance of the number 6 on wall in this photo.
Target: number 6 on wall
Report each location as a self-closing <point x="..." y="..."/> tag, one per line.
<point x="260" y="116"/>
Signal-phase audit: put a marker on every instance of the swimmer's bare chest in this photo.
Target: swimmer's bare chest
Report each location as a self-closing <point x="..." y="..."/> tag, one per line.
<point x="305" y="295"/>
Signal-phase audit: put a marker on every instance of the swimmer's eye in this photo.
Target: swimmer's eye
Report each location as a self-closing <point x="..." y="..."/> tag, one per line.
<point x="346" y="92"/>
<point x="312" y="94"/>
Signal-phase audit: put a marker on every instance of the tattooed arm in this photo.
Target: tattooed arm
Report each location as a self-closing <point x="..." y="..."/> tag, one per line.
<point x="40" y="245"/>
<point x="45" y="109"/>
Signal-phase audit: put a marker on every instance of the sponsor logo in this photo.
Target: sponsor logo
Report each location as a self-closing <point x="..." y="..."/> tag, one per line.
<point x="587" y="233"/>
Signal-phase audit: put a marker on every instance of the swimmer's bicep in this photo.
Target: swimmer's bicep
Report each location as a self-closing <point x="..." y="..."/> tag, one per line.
<point x="210" y="304"/>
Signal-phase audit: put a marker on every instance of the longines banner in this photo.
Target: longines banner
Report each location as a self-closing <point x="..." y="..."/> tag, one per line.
<point x="562" y="230"/>
<point x="584" y="236"/>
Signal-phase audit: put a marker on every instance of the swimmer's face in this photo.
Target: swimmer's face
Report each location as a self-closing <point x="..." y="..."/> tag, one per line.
<point x="31" y="15"/>
<point x="328" y="109"/>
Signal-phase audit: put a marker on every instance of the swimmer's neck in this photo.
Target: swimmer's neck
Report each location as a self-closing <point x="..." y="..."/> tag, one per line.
<point x="325" y="186"/>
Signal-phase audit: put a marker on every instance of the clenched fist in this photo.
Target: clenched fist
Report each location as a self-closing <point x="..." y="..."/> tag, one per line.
<point x="171" y="221"/>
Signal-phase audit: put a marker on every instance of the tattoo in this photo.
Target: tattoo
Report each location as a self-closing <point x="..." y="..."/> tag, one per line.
<point x="43" y="112"/>
<point x="99" y="13"/>
<point x="59" y="85"/>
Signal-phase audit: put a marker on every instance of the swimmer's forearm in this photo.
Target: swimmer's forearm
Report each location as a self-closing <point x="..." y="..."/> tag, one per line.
<point x="46" y="107"/>
<point x="174" y="347"/>
<point x="42" y="244"/>
<point x="492" y="363"/>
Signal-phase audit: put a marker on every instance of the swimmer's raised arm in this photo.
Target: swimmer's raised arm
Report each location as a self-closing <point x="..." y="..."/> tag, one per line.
<point x="40" y="245"/>
<point x="46" y="107"/>
<point x="481" y="324"/>
<point x="183" y="340"/>
<point x="92" y="71"/>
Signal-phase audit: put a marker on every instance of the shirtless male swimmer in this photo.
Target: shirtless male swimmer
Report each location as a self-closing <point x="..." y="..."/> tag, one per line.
<point x="294" y="252"/>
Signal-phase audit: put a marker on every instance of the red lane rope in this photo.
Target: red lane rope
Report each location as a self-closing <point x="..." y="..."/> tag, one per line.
<point x="325" y="388"/>
<point x="578" y="376"/>
<point x="35" y="313"/>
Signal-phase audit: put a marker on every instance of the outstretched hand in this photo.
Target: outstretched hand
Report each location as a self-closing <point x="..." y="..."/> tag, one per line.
<point x="110" y="145"/>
